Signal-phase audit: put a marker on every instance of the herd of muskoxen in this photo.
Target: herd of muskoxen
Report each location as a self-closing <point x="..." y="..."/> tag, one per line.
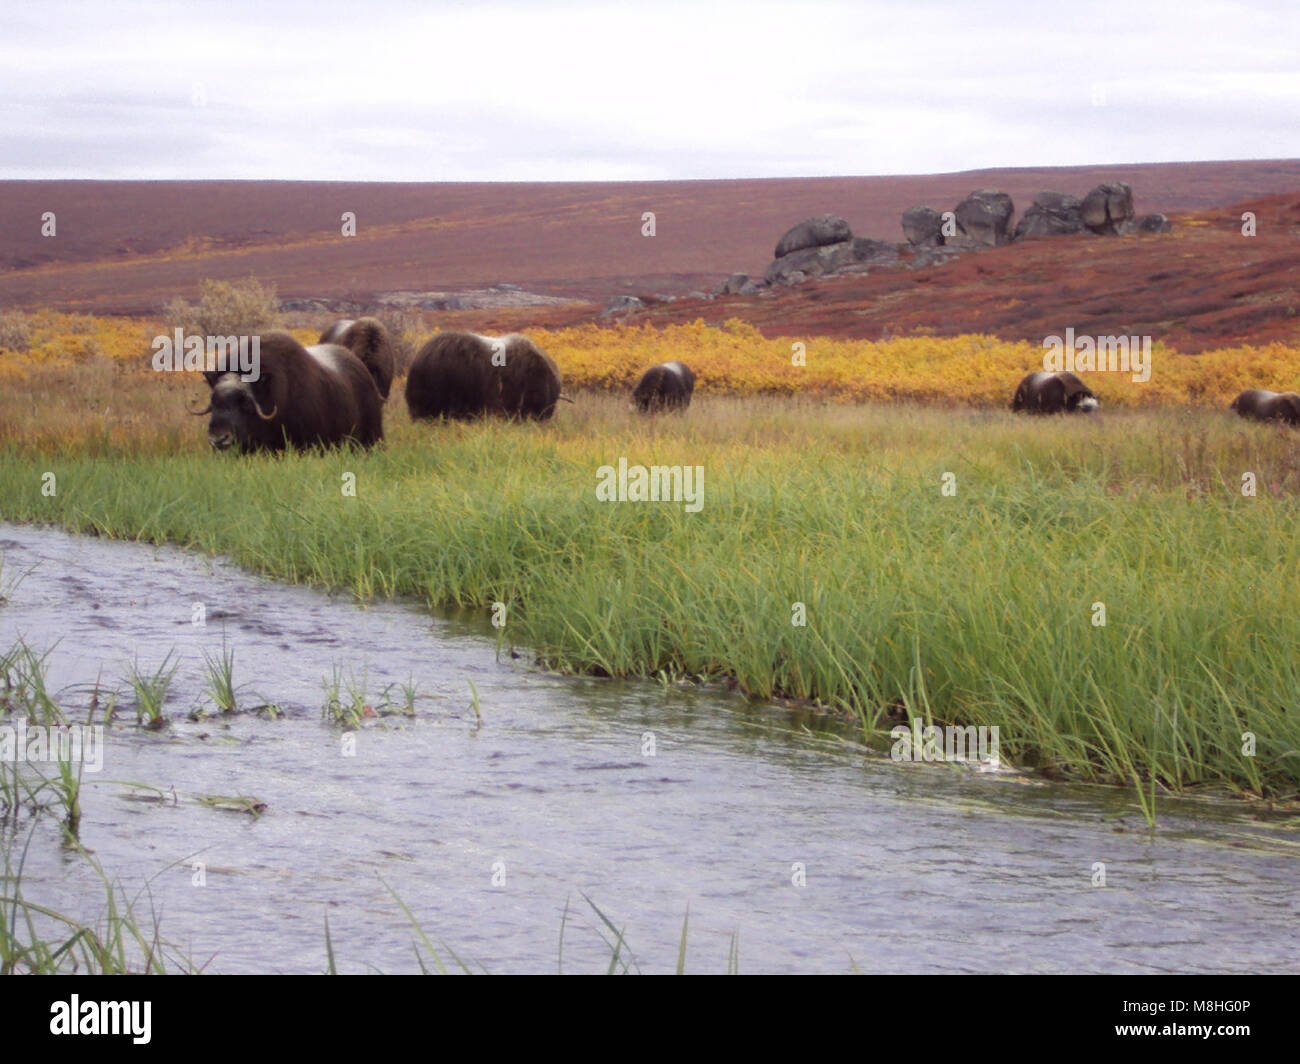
<point x="333" y="392"/>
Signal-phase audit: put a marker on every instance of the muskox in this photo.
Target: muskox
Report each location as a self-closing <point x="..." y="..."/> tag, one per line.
<point x="464" y="375"/>
<point x="369" y="341"/>
<point x="302" y="397"/>
<point x="1053" y="393"/>
<point x="1259" y="405"/>
<point x="665" y="387"/>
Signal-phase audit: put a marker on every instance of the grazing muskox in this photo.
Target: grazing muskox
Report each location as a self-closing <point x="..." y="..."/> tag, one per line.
<point x="665" y="387"/>
<point x="1259" y="405"/>
<point x="464" y="375"/>
<point x="303" y="397"/>
<point x="369" y="341"/>
<point x="1053" y="393"/>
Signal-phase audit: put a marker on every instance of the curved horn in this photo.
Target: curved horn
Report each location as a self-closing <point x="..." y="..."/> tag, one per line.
<point x="199" y="413"/>
<point x="566" y="398"/>
<point x="258" y="408"/>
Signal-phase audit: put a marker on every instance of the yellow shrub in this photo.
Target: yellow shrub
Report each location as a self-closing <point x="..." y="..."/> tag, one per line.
<point x="736" y="359"/>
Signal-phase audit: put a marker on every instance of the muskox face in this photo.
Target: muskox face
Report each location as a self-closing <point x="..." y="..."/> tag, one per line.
<point x="237" y="421"/>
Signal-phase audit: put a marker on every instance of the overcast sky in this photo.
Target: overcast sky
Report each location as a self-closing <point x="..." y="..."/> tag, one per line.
<point x="523" y="91"/>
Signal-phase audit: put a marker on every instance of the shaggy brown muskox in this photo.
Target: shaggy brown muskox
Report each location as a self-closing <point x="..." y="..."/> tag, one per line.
<point x="1053" y="393"/>
<point x="369" y="341"/>
<point x="464" y="375"/>
<point x="1259" y="405"/>
<point x="665" y="387"/>
<point x="303" y="397"/>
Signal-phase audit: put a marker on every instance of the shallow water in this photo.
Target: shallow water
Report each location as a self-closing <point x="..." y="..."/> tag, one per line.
<point x="486" y="828"/>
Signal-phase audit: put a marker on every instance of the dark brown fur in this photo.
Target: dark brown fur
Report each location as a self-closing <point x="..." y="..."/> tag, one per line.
<point x="1052" y="393"/>
<point x="453" y="376"/>
<point x="1259" y="405"/>
<point x="310" y="401"/>
<point x="369" y="341"/>
<point x="664" y="387"/>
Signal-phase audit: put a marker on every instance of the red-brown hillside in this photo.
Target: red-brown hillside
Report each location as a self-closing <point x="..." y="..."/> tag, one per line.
<point x="1205" y="285"/>
<point x="127" y="247"/>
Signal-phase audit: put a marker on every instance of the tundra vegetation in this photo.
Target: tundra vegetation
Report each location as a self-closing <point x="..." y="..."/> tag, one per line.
<point x="974" y="605"/>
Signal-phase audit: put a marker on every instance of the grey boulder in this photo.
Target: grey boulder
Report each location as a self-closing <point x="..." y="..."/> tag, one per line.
<point x="738" y="284"/>
<point x="923" y="226"/>
<point x="1108" y="208"/>
<point x="815" y="232"/>
<point x="984" y="218"/>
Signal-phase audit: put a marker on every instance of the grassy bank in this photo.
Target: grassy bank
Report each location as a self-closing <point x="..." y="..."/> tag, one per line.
<point x="973" y="608"/>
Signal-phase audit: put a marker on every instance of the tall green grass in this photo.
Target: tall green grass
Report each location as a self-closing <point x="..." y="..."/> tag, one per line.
<point x="976" y="608"/>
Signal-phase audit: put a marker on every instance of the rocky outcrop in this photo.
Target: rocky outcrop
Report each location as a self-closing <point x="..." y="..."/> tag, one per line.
<point x="1108" y="209"/>
<point x="818" y="231"/>
<point x="923" y="226"/>
<point x="984" y="219"/>
<point x="851" y="255"/>
<point x="1051" y="214"/>
<point x="824" y="245"/>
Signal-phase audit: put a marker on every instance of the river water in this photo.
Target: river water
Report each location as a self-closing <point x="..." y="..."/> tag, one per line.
<point x="815" y="854"/>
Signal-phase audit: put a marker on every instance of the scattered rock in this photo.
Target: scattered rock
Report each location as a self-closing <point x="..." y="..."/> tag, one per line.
<point x="1108" y="208"/>
<point x="1154" y="223"/>
<point x="932" y="256"/>
<point x="923" y="226"/>
<point x="738" y="284"/>
<point x="818" y="231"/>
<point x="697" y="295"/>
<point x="1051" y="214"/>
<point x="984" y="219"/>
<point x="621" y="303"/>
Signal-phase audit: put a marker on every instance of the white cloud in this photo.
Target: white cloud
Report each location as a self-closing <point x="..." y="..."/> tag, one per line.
<point x="581" y="91"/>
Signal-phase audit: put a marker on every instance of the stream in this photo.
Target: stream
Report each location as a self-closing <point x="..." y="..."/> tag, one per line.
<point x="767" y="823"/>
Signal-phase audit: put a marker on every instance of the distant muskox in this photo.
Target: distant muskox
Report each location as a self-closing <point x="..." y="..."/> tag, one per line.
<point x="464" y="375"/>
<point x="1259" y="405"/>
<point x="1053" y="393"/>
<point x="303" y="397"/>
<point x="369" y="341"/>
<point x="665" y="387"/>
